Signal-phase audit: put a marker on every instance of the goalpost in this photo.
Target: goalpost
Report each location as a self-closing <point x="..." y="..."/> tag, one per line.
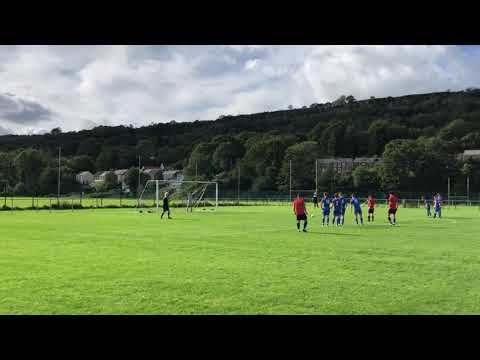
<point x="188" y="194"/>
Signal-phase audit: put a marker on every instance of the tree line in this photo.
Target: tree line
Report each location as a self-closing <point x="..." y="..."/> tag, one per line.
<point x="418" y="136"/>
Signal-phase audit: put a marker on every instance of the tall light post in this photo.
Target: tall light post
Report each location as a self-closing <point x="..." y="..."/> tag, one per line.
<point x="138" y="183"/>
<point x="59" y="178"/>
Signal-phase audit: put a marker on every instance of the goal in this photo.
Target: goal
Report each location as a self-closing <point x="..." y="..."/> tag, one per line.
<point x="187" y="194"/>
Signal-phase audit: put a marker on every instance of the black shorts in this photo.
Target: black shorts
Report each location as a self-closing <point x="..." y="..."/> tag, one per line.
<point x="392" y="211"/>
<point x="166" y="208"/>
<point x="302" y="217"/>
<point x="370" y="211"/>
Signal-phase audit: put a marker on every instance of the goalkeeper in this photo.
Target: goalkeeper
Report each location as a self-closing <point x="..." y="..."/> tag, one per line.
<point x="166" y="207"/>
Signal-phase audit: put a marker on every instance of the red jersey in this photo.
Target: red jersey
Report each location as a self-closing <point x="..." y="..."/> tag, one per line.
<point x="392" y="201"/>
<point x="371" y="202"/>
<point x="299" y="206"/>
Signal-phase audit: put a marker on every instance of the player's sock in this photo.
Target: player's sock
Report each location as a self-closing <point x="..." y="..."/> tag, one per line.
<point x="298" y="226"/>
<point x="305" y="226"/>
<point x="361" y="220"/>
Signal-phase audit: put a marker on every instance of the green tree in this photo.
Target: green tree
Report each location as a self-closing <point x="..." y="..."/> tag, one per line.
<point x="105" y="160"/>
<point x="131" y="180"/>
<point x="302" y="157"/>
<point x="471" y="141"/>
<point x="226" y="154"/>
<point x="455" y="129"/>
<point x="200" y="162"/>
<point x="82" y="163"/>
<point x="29" y="168"/>
<point x="399" y="159"/>
<point x="111" y="180"/>
<point x="365" y="178"/>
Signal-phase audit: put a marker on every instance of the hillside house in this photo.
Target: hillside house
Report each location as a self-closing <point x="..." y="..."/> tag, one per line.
<point x="85" y="178"/>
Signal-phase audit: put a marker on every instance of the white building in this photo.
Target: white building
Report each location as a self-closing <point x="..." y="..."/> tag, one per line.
<point x="174" y="175"/>
<point x="100" y="176"/>
<point x="121" y="174"/>
<point x="85" y="178"/>
<point x="346" y="165"/>
<point x="155" y="173"/>
<point x="470" y="154"/>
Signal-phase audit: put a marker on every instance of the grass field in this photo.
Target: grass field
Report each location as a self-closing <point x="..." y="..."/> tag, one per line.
<point x="238" y="260"/>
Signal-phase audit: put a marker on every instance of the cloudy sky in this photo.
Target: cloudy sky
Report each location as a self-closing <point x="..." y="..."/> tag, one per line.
<point x="78" y="87"/>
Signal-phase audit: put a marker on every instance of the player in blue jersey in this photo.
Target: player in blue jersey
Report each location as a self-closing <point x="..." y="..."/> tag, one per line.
<point x="357" y="208"/>
<point x="437" y="203"/>
<point x="337" y="210"/>
<point x="343" y="203"/>
<point x="326" y="203"/>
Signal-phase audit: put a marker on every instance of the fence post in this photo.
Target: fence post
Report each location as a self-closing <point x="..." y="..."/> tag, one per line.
<point x="50" y="199"/>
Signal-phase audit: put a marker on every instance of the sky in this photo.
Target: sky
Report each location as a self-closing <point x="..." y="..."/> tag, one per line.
<point x="80" y="87"/>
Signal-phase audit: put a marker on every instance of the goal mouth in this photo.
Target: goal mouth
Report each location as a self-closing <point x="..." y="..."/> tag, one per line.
<point x="181" y="194"/>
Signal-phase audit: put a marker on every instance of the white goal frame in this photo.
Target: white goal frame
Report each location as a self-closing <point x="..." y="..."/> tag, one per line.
<point x="173" y="182"/>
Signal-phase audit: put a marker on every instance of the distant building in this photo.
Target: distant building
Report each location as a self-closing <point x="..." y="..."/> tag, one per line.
<point x="470" y="154"/>
<point x="121" y="174"/>
<point x="346" y="165"/>
<point x="175" y="175"/>
<point x="339" y="165"/>
<point x="367" y="161"/>
<point x="85" y="178"/>
<point x="100" y="176"/>
<point x="155" y="173"/>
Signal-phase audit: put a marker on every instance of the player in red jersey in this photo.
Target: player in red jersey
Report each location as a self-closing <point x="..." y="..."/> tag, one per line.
<point x="371" y="206"/>
<point x="392" y="207"/>
<point x="300" y="211"/>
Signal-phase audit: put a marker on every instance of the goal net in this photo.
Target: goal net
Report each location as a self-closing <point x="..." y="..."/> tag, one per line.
<point x="187" y="194"/>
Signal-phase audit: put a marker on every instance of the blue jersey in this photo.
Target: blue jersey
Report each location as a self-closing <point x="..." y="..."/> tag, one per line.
<point x="326" y="203"/>
<point x="337" y="204"/>
<point x="343" y="202"/>
<point x="356" y="204"/>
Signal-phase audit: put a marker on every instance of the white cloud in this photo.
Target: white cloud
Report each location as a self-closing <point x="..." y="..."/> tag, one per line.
<point x="87" y="86"/>
<point x="251" y="64"/>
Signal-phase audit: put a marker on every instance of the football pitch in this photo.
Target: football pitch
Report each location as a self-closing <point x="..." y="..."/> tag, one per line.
<point x="238" y="260"/>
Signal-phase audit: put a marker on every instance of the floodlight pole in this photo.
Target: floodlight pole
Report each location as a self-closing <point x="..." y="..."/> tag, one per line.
<point x="316" y="176"/>
<point x="449" y="202"/>
<point x="290" y="167"/>
<point x="238" y="186"/>
<point x="216" y="195"/>
<point x="138" y="184"/>
<point x="468" y="188"/>
<point x="58" y="182"/>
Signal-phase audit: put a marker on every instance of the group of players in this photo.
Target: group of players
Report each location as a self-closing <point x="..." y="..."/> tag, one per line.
<point x="338" y="205"/>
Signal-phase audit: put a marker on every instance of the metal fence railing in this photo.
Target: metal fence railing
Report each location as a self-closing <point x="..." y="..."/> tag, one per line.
<point x="76" y="201"/>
